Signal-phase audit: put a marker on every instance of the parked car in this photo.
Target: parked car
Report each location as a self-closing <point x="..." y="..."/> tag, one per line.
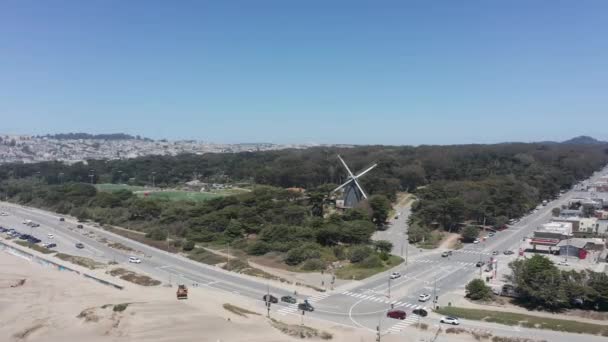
<point x="270" y="298"/>
<point x="395" y="275"/>
<point x="288" y="299"/>
<point x="495" y="253"/>
<point x="24" y="236"/>
<point x="134" y="260"/>
<point x="79" y="226"/>
<point x="476" y="241"/>
<point x="446" y="254"/>
<point x="61" y="219"/>
<point x="450" y="320"/>
<point x="51" y="245"/>
<point x="563" y="263"/>
<point x="306" y="307"/>
<point x="397" y="314"/>
<point x="79" y="245"/>
<point x="491" y="234"/>
<point x="508" y="252"/>
<point x="424" y="297"/>
<point x="33" y="239"/>
<point x="50" y="236"/>
<point x="420" y="312"/>
<point x="480" y="263"/>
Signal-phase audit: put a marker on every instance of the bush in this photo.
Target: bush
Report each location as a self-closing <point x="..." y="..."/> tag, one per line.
<point x="359" y="253"/>
<point x="383" y="246"/>
<point x="384" y="256"/>
<point x="188" y="245"/>
<point x="157" y="234"/>
<point x="478" y="290"/>
<point x="339" y="252"/>
<point x="470" y="233"/>
<point x="313" y="265"/>
<point x="372" y="261"/>
<point x="304" y="252"/>
<point x="258" y="248"/>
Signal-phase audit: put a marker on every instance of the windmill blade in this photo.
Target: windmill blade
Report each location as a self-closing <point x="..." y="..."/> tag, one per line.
<point x="366" y="171"/>
<point x="341" y="186"/>
<point x="360" y="189"/>
<point x="346" y="166"/>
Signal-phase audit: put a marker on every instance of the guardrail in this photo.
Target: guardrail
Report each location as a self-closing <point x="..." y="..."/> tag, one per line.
<point x="48" y="263"/>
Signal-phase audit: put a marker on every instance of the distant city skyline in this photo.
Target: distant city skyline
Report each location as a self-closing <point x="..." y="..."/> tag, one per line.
<point x="339" y="72"/>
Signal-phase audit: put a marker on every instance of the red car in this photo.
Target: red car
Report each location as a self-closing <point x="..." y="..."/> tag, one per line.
<point x="397" y="314"/>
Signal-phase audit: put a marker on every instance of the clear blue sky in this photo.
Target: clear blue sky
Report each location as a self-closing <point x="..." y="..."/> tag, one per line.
<point x="386" y="72"/>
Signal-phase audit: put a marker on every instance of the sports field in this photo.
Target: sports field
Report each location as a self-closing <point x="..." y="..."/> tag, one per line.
<point x="109" y="187"/>
<point x="180" y="195"/>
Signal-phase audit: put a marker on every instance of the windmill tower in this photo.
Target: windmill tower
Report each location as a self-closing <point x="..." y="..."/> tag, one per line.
<point x="353" y="193"/>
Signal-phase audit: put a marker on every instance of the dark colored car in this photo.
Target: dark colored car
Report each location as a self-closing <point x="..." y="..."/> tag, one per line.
<point x="446" y="254"/>
<point x="420" y="312"/>
<point x="79" y="245"/>
<point x="61" y="219"/>
<point x="480" y="263"/>
<point x="33" y="239"/>
<point x="2" y="230"/>
<point x="24" y="237"/>
<point x="270" y="298"/>
<point x="508" y="252"/>
<point x="397" y="314"/>
<point x="288" y="299"/>
<point x="51" y="245"/>
<point x="306" y="307"/>
<point x="79" y="226"/>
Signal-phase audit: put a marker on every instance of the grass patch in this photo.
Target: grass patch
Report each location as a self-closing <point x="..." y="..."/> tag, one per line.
<point x="141" y="237"/>
<point x="120" y="307"/>
<point x="238" y="310"/>
<point x="527" y="321"/>
<point x="243" y="267"/>
<point x="133" y="277"/>
<point x="109" y="187"/>
<point x="354" y="271"/>
<point x="300" y="331"/>
<point x="118" y="245"/>
<point x="80" y="261"/>
<point x="206" y="257"/>
<point x="34" y="247"/>
<point x="180" y="195"/>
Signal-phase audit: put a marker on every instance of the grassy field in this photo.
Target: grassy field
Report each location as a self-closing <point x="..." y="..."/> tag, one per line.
<point x="181" y="195"/>
<point x="527" y="321"/>
<point x="358" y="273"/>
<point x="109" y="187"/>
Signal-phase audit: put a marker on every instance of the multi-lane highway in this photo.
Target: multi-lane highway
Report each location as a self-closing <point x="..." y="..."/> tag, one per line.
<point x="359" y="304"/>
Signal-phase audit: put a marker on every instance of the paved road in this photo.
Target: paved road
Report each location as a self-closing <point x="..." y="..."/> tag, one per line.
<point x="360" y="304"/>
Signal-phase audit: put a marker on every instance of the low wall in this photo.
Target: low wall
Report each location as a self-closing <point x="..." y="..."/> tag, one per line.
<point x="48" y="263"/>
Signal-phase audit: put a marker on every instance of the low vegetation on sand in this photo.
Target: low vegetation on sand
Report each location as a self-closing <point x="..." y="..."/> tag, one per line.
<point x="238" y="310"/>
<point x="133" y="277"/>
<point x="34" y="247"/>
<point x="300" y="331"/>
<point x="527" y="321"/>
<point x="80" y="261"/>
<point x="358" y="272"/>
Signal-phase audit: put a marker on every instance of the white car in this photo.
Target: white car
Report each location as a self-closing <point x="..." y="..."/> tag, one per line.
<point x="424" y="297"/>
<point x="450" y="320"/>
<point x="3" y="214"/>
<point x="563" y="263"/>
<point x="50" y="236"/>
<point x="476" y="241"/>
<point x="395" y="275"/>
<point x="134" y="260"/>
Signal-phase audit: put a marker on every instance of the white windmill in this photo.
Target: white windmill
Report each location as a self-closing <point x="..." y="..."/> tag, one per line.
<point x="353" y="192"/>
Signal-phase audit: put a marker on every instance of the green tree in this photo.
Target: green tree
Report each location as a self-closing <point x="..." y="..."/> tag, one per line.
<point x="157" y="234"/>
<point x="380" y="208"/>
<point x="477" y="289"/>
<point x="383" y="246"/>
<point x="556" y="211"/>
<point x="188" y="245"/>
<point x="469" y="233"/>
<point x="259" y="248"/>
<point x="539" y="283"/>
<point x="359" y="253"/>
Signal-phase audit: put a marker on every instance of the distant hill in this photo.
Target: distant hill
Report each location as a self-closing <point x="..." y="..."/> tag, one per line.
<point x="75" y="136"/>
<point x="584" y="140"/>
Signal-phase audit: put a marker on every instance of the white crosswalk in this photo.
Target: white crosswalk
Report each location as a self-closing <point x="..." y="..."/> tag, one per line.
<point x="470" y="251"/>
<point x="427" y="261"/>
<point x="411" y="319"/>
<point x="291" y="308"/>
<point x="384" y="300"/>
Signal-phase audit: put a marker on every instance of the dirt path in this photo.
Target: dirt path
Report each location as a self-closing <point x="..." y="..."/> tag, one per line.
<point x="449" y="241"/>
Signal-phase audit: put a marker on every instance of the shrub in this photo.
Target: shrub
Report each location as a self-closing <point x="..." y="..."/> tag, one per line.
<point x="477" y="290"/>
<point x="372" y="261"/>
<point x="384" y="256"/>
<point x="188" y="245"/>
<point x="304" y="252"/>
<point x="157" y="234"/>
<point x="339" y="252"/>
<point x="258" y="248"/>
<point x="359" y="253"/>
<point x="313" y="265"/>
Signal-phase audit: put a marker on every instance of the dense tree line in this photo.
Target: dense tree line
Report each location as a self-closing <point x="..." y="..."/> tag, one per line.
<point x="541" y="285"/>
<point x="479" y="183"/>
